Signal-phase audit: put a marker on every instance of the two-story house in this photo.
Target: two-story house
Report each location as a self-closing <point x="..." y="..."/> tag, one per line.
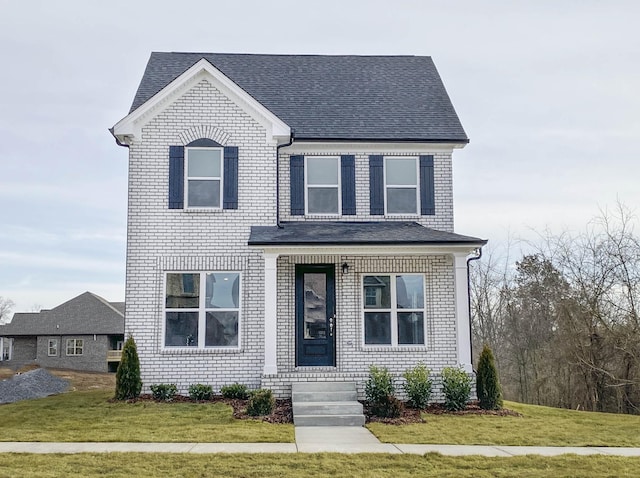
<point x="290" y="219"/>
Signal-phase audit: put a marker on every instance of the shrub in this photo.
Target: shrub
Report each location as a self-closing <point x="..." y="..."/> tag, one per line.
<point x="128" y="383"/>
<point x="387" y="407"/>
<point x="261" y="402"/>
<point x="456" y="385"/>
<point x="235" y="390"/>
<point x="487" y="382"/>
<point x="199" y="392"/>
<point x="164" y="392"/>
<point x="379" y="385"/>
<point x="418" y="386"/>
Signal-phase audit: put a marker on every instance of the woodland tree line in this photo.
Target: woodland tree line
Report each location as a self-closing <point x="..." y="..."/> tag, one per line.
<point x="563" y="320"/>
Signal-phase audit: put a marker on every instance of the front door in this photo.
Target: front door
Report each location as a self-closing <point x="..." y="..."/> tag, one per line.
<point x="315" y="315"/>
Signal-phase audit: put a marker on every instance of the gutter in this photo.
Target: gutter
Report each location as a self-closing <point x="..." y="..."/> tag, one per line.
<point x="475" y="258"/>
<point x="117" y="140"/>
<point x="291" y="136"/>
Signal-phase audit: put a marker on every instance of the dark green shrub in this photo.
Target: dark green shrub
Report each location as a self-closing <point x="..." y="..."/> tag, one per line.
<point x="164" y="392"/>
<point x="387" y="407"/>
<point x="418" y="386"/>
<point x="128" y="383"/>
<point x="456" y="385"/>
<point x="487" y="382"/>
<point x="199" y="392"/>
<point x="261" y="402"/>
<point x="235" y="390"/>
<point x="379" y="385"/>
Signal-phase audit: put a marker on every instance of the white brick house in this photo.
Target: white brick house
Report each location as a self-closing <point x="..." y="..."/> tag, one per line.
<point x="291" y="219"/>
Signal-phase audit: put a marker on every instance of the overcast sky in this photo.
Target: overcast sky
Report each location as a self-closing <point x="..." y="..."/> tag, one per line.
<point x="548" y="92"/>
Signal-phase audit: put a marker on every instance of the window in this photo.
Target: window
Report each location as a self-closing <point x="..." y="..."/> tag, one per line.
<point x="393" y="309"/>
<point x="75" y="346"/>
<point x="52" y="348"/>
<point x="204" y="178"/>
<point x="202" y="309"/>
<point x="322" y="181"/>
<point x="401" y="185"/>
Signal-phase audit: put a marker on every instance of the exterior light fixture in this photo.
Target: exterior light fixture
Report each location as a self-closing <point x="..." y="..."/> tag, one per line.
<point x="345" y="268"/>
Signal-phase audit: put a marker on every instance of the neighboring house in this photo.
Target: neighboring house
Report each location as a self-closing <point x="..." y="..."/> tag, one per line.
<point x="85" y="333"/>
<point x="291" y="219"/>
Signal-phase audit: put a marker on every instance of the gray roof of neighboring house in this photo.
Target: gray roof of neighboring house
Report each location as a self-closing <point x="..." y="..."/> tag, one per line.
<point x="83" y="315"/>
<point x="355" y="233"/>
<point x="322" y="97"/>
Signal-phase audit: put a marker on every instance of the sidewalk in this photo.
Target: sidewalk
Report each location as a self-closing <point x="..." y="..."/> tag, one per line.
<point x="312" y="440"/>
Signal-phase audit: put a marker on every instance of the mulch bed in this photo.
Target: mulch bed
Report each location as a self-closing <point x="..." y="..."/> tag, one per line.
<point x="283" y="412"/>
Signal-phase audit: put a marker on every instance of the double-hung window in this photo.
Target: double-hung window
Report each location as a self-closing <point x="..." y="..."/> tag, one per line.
<point x="52" y="348"/>
<point x="203" y="178"/>
<point x="394" y="309"/>
<point x="401" y="185"/>
<point x="322" y="185"/>
<point x="202" y="309"/>
<point x="75" y="346"/>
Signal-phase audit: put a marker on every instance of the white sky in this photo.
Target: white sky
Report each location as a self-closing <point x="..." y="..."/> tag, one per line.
<point x="546" y="90"/>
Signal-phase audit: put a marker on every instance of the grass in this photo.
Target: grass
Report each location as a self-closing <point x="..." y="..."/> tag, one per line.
<point x="539" y="426"/>
<point x="116" y="465"/>
<point x="88" y="416"/>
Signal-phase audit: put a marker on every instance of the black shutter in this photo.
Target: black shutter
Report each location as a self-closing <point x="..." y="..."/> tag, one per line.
<point x="376" y="185"/>
<point x="176" y="177"/>
<point x="348" y="177"/>
<point x="230" y="193"/>
<point x="427" y="193"/>
<point x="296" y="168"/>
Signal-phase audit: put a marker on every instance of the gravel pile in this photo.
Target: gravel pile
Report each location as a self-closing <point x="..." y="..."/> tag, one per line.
<point x="36" y="383"/>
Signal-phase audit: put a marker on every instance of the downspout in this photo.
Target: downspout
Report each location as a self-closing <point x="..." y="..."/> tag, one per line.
<point x="475" y="258"/>
<point x="291" y="136"/>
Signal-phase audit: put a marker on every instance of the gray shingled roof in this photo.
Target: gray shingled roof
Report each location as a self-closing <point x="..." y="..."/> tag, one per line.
<point x="355" y="233"/>
<point x="85" y="314"/>
<point x="331" y="97"/>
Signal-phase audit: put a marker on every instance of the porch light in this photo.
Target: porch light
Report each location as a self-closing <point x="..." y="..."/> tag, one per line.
<point x="345" y="268"/>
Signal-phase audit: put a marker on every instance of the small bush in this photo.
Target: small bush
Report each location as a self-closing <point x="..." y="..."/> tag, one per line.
<point x="418" y="386"/>
<point x="261" y="402"/>
<point x="456" y="385"/>
<point x="128" y="383"/>
<point x="379" y="385"/>
<point x="164" y="392"/>
<point x="236" y="391"/>
<point x="387" y="407"/>
<point x="487" y="382"/>
<point x="199" y="392"/>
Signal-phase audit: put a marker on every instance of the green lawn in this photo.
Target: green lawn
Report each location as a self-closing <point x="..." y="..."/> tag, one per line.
<point x="538" y="426"/>
<point x="125" y="465"/>
<point x="88" y="416"/>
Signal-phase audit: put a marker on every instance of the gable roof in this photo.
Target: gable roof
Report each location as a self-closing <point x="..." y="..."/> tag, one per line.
<point x="85" y="314"/>
<point x="355" y="233"/>
<point x="344" y="97"/>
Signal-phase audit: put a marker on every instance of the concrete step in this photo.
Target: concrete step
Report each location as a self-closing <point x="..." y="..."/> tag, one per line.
<point x="323" y="387"/>
<point x="340" y="396"/>
<point x="328" y="420"/>
<point x="327" y="408"/>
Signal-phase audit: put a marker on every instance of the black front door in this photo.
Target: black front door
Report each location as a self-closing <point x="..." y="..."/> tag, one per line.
<point x="315" y="315"/>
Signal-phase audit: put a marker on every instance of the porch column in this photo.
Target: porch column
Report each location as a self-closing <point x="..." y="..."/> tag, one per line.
<point x="270" y="313"/>
<point x="1" y="349"/>
<point x="463" y="327"/>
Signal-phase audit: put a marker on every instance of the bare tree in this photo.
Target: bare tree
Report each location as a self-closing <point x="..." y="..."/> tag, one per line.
<point x="5" y="309"/>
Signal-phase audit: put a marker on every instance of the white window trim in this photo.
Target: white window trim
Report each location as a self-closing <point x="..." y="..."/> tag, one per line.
<point x="393" y="311"/>
<point x="202" y="312"/>
<point x="53" y="342"/>
<point x="187" y="177"/>
<point x="75" y="346"/>
<point x="306" y="187"/>
<point x="402" y="186"/>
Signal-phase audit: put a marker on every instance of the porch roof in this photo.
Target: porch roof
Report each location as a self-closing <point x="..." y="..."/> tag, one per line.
<point x="387" y="233"/>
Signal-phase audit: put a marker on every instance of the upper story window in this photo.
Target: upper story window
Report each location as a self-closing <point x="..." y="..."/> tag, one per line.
<point x="202" y="309"/>
<point x="401" y="185"/>
<point x="204" y="177"/>
<point x="322" y="181"/>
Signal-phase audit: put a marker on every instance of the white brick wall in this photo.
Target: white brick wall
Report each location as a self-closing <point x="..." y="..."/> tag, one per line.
<point x="162" y="239"/>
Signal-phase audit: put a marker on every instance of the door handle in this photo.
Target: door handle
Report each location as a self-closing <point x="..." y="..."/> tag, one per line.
<point x="331" y="320"/>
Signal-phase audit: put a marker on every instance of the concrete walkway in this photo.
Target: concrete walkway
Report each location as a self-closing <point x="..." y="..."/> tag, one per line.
<point x="313" y="440"/>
